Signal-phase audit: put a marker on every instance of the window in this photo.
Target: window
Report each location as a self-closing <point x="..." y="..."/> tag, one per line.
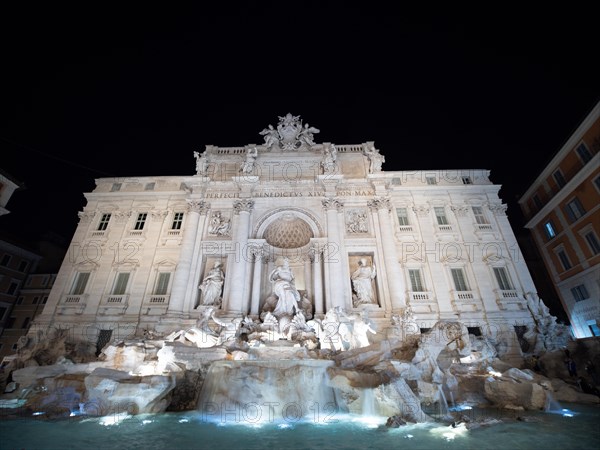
<point x="14" y="285"/>
<point x="564" y="259"/>
<point x="479" y="216"/>
<point x="583" y="153"/>
<point x="20" y="301"/>
<point x="44" y="300"/>
<point x="29" y="281"/>
<point x="14" y="347"/>
<point x="141" y="221"/>
<point x="416" y="283"/>
<point x="402" y="214"/>
<point x="35" y="300"/>
<point x="3" y="310"/>
<point x="440" y="215"/>
<point x="162" y="283"/>
<point x="45" y="280"/>
<point x="120" y="283"/>
<point x="549" y="229"/>
<point x="460" y="283"/>
<point x="475" y="331"/>
<point x="559" y="178"/>
<point x="503" y="279"/>
<point x="5" y="260"/>
<point x="431" y="180"/>
<point x="467" y="180"/>
<point x="115" y="187"/>
<point x="23" y="266"/>
<point x="597" y="183"/>
<point x="149" y="186"/>
<point x="103" y="222"/>
<point x="580" y="293"/>
<point x="575" y="209"/>
<point x="103" y="339"/>
<point x="26" y="322"/>
<point x="177" y="221"/>
<point x="80" y="282"/>
<point x="592" y="241"/>
<point x="538" y="203"/>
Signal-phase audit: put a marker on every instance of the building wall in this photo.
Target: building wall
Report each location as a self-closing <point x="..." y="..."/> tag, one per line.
<point x="30" y="302"/>
<point x="15" y="264"/>
<point x="290" y="188"/>
<point x="582" y="184"/>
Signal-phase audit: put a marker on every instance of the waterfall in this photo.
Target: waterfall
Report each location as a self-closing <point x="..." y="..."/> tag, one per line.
<point x="250" y="392"/>
<point x="552" y="406"/>
<point x="452" y="399"/>
<point x="443" y="403"/>
<point x="368" y="402"/>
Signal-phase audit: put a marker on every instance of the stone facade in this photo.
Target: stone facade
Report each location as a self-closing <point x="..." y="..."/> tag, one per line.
<point x="437" y="241"/>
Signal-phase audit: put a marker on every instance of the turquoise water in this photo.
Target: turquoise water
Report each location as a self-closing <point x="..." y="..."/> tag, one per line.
<point x="579" y="429"/>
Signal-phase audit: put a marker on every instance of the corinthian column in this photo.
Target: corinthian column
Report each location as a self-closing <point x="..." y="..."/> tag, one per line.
<point x="383" y="207"/>
<point x="317" y="281"/>
<point x="259" y="261"/>
<point x="238" y="297"/>
<point x="333" y="253"/>
<point x="182" y="272"/>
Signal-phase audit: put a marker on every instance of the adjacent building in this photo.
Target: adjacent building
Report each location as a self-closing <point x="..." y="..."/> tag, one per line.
<point x="8" y="186"/>
<point x="434" y="244"/>
<point x="562" y="209"/>
<point x="16" y="263"/>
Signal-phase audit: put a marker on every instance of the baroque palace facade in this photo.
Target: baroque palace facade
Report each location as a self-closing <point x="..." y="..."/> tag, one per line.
<point x="150" y="253"/>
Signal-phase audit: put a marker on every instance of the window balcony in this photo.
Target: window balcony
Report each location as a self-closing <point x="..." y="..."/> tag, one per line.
<point x="466" y="301"/>
<point x="155" y="299"/>
<point x="510" y="300"/>
<point x="155" y="304"/>
<point x="419" y="296"/>
<point x="422" y="302"/>
<point x="113" y="304"/>
<point x="72" y="304"/>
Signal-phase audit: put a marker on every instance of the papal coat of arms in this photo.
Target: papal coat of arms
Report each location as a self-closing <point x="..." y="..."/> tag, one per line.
<point x="290" y="134"/>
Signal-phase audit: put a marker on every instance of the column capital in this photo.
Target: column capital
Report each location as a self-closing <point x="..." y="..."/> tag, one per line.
<point x="460" y="210"/>
<point x="380" y="203"/>
<point x="499" y="209"/>
<point x="421" y="210"/>
<point x="198" y="206"/>
<point x="122" y="216"/>
<point x="245" y="205"/>
<point x="332" y="203"/>
<point x="158" y="215"/>
<point x="86" y="216"/>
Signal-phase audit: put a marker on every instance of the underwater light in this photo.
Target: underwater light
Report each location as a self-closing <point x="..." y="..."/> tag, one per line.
<point x="114" y="419"/>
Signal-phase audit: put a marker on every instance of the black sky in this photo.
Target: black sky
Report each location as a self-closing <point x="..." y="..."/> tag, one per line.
<point x="100" y="92"/>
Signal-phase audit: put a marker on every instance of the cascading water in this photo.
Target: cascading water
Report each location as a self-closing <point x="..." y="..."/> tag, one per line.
<point x="443" y="403"/>
<point x="266" y="391"/>
<point x="368" y="402"/>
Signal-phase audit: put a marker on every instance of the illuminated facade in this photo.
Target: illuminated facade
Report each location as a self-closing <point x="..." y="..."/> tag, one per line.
<point x="437" y="241"/>
<point x="562" y="208"/>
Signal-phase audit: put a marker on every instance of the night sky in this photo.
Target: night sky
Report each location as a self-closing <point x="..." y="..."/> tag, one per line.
<point x="89" y="93"/>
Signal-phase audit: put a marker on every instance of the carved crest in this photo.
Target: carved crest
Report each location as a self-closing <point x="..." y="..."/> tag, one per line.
<point x="290" y="134"/>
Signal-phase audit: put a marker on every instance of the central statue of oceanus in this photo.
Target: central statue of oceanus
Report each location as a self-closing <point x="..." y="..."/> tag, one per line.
<point x="290" y="134"/>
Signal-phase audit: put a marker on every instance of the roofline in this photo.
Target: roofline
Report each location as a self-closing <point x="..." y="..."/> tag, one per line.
<point x="585" y="125"/>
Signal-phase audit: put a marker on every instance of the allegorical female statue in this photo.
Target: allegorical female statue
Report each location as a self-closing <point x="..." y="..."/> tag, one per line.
<point x="362" y="283"/>
<point x="284" y="288"/>
<point x="212" y="285"/>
